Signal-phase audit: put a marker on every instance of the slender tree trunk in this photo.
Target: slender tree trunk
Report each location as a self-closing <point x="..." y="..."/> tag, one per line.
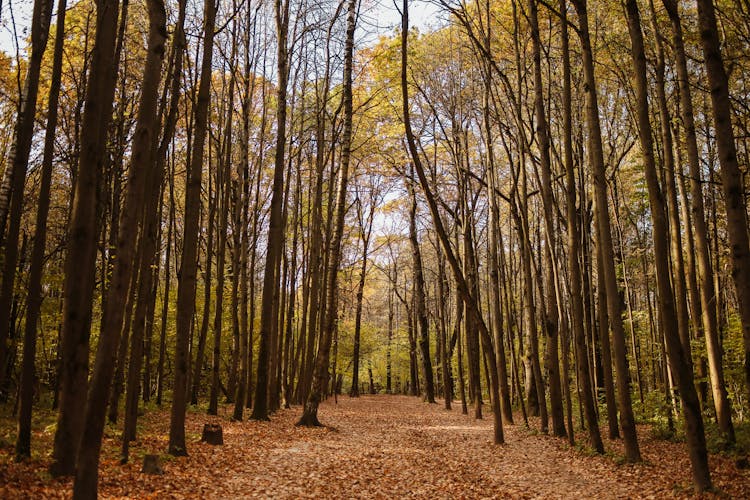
<point x="678" y="264"/>
<point x="614" y="306"/>
<point x="26" y="391"/>
<point x="731" y="175"/>
<point x="470" y="269"/>
<point x="17" y="167"/>
<point x="223" y="190"/>
<point x="189" y="257"/>
<point x="446" y="351"/>
<point x="166" y="294"/>
<point x="85" y="484"/>
<point x="705" y="272"/>
<point x="388" y="365"/>
<point x="197" y="374"/>
<point x="552" y="322"/>
<point x="268" y="320"/>
<point x="463" y="287"/>
<point x="678" y="358"/>
<point x="80" y="261"/>
<point x="320" y="374"/>
<point x="365" y="232"/>
<point x="420" y="305"/>
<point x="574" y="252"/>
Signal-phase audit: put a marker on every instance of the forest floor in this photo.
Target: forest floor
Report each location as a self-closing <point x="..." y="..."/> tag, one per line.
<point x="374" y="447"/>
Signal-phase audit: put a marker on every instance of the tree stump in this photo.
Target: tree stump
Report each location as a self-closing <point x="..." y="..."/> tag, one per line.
<point x="152" y="465"/>
<point x="212" y="434"/>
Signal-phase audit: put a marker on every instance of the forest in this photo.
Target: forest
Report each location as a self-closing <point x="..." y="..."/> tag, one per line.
<point x="293" y="219"/>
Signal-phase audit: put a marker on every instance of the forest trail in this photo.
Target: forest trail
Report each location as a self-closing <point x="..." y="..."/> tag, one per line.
<point x="377" y="447"/>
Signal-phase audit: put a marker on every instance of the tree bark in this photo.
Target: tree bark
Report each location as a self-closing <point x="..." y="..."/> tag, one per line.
<point x="36" y="270"/>
<point x="320" y="374"/>
<point x="705" y="271"/>
<point x="11" y="203"/>
<point x="614" y="305"/>
<point x="189" y="258"/>
<point x="80" y="261"/>
<point x="678" y="358"/>
<point x="731" y="175"/>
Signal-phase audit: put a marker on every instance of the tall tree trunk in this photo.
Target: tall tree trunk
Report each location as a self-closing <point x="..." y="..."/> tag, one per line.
<point x="552" y="323"/>
<point x="472" y="279"/>
<point x="677" y="261"/>
<point x="80" y="261"/>
<point x="604" y="230"/>
<point x="420" y="304"/>
<point x="603" y="325"/>
<point x="678" y="358"/>
<point x="445" y="349"/>
<point x="178" y="48"/>
<point x="26" y="391"/>
<point x="189" y="258"/>
<point x="574" y="252"/>
<point x="11" y="203"/>
<point x="463" y="287"/>
<point x="494" y="271"/>
<point x="197" y="373"/>
<point x="705" y="272"/>
<point x="223" y="191"/>
<point x="320" y="374"/>
<point x="268" y="320"/>
<point x="731" y="175"/>
<point x="166" y="294"/>
<point x="365" y="232"/>
<point x="85" y="484"/>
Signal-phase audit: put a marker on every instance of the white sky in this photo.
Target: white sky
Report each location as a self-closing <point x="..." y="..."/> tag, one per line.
<point x="378" y="16"/>
<point x="20" y="11"/>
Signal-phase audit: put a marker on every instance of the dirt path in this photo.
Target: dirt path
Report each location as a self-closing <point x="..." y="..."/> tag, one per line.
<point x="398" y="446"/>
<point x="388" y="447"/>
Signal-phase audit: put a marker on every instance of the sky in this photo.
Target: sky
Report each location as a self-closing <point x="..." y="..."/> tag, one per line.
<point x="20" y="11"/>
<point x="378" y="16"/>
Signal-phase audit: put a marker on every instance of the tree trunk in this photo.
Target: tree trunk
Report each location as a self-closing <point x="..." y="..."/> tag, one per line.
<point x="83" y="231"/>
<point x="268" y="320"/>
<point x="614" y="306"/>
<point x="463" y="287"/>
<point x="445" y="350"/>
<point x="365" y="232"/>
<point x="678" y="358"/>
<point x="705" y="272"/>
<point x="574" y="239"/>
<point x="189" y="257"/>
<point x="320" y="375"/>
<point x="213" y="200"/>
<point x="85" y="484"/>
<point x="223" y="190"/>
<point x="552" y="323"/>
<point x="731" y="175"/>
<point x="17" y="166"/>
<point x="420" y="305"/>
<point x="242" y="206"/>
<point x="26" y="391"/>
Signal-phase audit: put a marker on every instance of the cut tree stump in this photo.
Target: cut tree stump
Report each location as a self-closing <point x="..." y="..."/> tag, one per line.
<point x="212" y="434"/>
<point x="152" y="465"/>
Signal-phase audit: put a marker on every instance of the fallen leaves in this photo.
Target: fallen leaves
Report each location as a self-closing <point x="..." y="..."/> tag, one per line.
<point x="383" y="447"/>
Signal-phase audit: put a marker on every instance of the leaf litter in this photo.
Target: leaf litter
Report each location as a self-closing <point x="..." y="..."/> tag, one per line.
<point x="374" y="447"/>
